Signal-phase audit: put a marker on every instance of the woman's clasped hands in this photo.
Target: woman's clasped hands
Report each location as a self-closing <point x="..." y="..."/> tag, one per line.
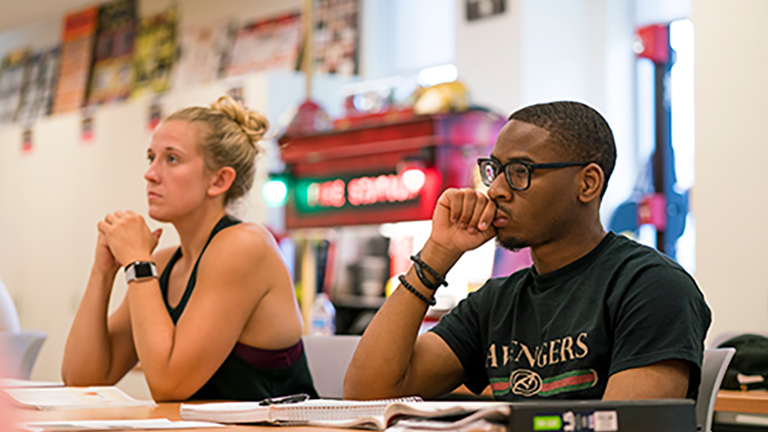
<point x="124" y="237"/>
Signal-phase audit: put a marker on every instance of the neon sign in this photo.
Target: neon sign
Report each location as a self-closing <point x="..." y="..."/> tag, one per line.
<point x="326" y="194"/>
<point x="362" y="191"/>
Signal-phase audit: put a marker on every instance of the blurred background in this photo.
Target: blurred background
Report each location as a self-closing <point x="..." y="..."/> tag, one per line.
<point x="376" y="107"/>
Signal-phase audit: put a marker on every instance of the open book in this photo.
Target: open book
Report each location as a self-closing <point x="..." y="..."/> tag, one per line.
<point x="378" y="414"/>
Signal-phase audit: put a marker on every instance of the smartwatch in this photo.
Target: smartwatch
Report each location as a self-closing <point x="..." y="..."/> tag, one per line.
<point x="140" y="270"/>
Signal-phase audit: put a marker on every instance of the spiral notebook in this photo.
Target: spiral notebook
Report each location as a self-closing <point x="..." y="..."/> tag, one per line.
<point x="377" y="414"/>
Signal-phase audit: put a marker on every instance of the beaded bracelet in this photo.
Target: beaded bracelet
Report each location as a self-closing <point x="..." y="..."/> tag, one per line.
<point x="421" y="296"/>
<point x="423" y="278"/>
<point x="419" y="264"/>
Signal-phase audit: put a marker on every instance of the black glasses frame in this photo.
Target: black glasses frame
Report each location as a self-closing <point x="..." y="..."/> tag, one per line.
<point x="530" y="167"/>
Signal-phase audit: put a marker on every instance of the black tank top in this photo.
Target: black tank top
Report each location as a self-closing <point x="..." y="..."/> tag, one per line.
<point x="248" y="373"/>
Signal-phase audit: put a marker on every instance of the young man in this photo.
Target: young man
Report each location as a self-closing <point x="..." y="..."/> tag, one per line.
<point x="597" y="316"/>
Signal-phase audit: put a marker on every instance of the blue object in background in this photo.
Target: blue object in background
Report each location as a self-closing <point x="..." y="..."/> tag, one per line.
<point x="658" y="180"/>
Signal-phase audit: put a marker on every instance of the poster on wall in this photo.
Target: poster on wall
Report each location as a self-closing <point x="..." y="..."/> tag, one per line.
<point x="154" y="114"/>
<point x="112" y="76"/>
<point x="75" y="61"/>
<point x="205" y="53"/>
<point x="336" y="37"/>
<point x="26" y="141"/>
<point x="271" y="44"/>
<point x="479" y="9"/>
<point x="86" y="126"/>
<point x="38" y="85"/>
<point x="155" y="53"/>
<point x="11" y="79"/>
<point x="236" y="92"/>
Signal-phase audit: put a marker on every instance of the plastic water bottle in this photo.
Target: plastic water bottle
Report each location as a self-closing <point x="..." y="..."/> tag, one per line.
<point x="323" y="316"/>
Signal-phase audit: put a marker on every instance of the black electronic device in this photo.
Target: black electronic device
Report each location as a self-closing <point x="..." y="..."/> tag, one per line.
<point x="657" y="415"/>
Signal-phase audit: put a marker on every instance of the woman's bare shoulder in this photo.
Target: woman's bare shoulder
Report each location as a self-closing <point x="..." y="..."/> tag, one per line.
<point x="246" y="239"/>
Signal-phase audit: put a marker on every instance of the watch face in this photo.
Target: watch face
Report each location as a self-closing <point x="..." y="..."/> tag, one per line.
<point x="143" y="270"/>
<point x="140" y="270"/>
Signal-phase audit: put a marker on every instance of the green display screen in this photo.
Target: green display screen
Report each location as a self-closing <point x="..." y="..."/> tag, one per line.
<point x="547" y="423"/>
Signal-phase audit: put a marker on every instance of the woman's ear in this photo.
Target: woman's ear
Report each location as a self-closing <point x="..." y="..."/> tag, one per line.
<point x="592" y="180"/>
<point x="222" y="181"/>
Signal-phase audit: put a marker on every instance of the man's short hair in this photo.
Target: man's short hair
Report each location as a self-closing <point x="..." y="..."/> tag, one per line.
<point x="580" y="132"/>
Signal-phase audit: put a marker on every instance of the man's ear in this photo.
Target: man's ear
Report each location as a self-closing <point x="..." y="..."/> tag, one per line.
<point x="591" y="183"/>
<point x="222" y="181"/>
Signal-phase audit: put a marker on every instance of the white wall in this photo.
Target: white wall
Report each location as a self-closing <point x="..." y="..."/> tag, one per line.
<point x="376" y="45"/>
<point x="545" y="50"/>
<point x="422" y="33"/>
<point x="40" y="35"/>
<point x="661" y="11"/>
<point x="401" y="37"/>
<point x="488" y="56"/>
<point x="51" y="200"/>
<point x="729" y="198"/>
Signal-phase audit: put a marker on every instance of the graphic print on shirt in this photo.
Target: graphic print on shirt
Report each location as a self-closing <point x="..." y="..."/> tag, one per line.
<point x="527" y="364"/>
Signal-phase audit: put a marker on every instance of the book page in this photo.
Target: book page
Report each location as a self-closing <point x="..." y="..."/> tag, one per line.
<point x="440" y="408"/>
<point x="428" y="415"/>
<point x="418" y="425"/>
<point x="321" y="412"/>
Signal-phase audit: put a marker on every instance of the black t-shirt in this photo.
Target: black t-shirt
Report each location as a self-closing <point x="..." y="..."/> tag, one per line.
<point x="560" y="335"/>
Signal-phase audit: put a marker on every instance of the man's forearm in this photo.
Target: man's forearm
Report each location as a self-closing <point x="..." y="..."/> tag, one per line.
<point x="667" y="379"/>
<point x="382" y="362"/>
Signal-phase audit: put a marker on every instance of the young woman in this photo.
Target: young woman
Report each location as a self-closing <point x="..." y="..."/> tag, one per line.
<point x="216" y="317"/>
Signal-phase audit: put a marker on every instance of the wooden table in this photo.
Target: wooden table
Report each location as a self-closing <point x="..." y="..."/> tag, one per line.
<point x="752" y="402"/>
<point x="162" y="410"/>
<point x="737" y="411"/>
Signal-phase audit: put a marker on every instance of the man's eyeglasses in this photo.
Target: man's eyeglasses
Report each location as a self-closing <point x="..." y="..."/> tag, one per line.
<point x="518" y="173"/>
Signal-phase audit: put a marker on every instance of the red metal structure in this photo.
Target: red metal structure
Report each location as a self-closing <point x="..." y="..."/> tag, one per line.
<point x="387" y="172"/>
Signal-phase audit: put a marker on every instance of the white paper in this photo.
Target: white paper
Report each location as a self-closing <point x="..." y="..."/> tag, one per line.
<point x="19" y="383"/>
<point x="74" y="397"/>
<point x="116" y="424"/>
<point x="751" y="419"/>
<point x="606" y="421"/>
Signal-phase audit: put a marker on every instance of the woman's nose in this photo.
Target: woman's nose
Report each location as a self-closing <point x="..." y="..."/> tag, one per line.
<point x="151" y="174"/>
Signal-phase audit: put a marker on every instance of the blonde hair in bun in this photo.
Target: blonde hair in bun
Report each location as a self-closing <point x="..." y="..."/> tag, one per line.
<point x="229" y="133"/>
<point x="253" y="123"/>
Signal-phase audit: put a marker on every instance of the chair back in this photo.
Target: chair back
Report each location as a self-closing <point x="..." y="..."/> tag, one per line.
<point x="9" y="317"/>
<point x="328" y="358"/>
<point x="21" y="351"/>
<point x="712" y="371"/>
